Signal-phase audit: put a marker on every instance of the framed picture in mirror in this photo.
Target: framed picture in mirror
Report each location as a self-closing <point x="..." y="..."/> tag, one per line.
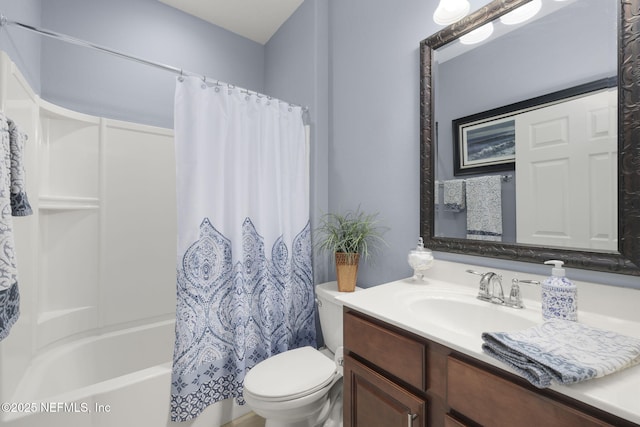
<point x="486" y="142"/>
<point x="484" y="145"/>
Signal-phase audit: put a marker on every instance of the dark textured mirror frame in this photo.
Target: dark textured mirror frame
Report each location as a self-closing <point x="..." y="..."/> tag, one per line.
<point x="628" y="259"/>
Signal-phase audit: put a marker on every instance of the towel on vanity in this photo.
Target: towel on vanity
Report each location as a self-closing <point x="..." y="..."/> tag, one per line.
<point x="13" y="202"/>
<point x="562" y="350"/>
<point x="454" y="194"/>
<point x="484" y="208"/>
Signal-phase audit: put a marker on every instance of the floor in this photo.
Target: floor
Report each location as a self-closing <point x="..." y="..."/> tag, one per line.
<point x="249" y="420"/>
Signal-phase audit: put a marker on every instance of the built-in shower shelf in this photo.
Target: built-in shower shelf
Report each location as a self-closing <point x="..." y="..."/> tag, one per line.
<point x="60" y="203"/>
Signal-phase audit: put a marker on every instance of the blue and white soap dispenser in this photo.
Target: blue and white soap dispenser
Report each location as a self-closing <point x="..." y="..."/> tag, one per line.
<point x="559" y="295"/>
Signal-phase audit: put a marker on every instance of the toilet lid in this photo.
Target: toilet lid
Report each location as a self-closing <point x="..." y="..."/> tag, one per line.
<point x="292" y="374"/>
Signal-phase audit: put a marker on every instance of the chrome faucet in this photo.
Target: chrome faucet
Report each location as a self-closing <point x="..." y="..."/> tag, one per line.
<point x="496" y="297"/>
<point x="486" y="291"/>
<point x="490" y="289"/>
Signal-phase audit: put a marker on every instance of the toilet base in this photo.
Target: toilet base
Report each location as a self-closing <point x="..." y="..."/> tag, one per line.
<point x="310" y="421"/>
<point x="327" y="413"/>
<point x="329" y="416"/>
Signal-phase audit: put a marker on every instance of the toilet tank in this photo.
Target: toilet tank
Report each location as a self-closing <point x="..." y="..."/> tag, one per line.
<point x="330" y="312"/>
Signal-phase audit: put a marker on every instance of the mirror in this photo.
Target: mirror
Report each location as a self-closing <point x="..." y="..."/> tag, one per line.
<point x="450" y="112"/>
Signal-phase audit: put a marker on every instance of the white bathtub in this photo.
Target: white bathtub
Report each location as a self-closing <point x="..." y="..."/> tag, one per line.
<point x="118" y="379"/>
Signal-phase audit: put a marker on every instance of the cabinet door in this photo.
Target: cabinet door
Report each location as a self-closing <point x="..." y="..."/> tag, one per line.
<point x="372" y="400"/>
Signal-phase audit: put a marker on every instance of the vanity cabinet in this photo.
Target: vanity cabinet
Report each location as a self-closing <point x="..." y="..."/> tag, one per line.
<point x="395" y="378"/>
<point x="379" y="401"/>
<point x="375" y="399"/>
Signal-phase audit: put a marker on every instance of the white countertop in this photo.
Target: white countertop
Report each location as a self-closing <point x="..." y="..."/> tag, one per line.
<point x="606" y="307"/>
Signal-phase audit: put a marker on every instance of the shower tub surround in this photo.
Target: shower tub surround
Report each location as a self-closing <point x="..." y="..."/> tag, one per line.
<point x="96" y="260"/>
<point x="116" y="379"/>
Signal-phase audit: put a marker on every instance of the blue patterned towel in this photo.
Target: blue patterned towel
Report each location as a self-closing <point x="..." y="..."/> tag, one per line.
<point x="562" y="350"/>
<point x="9" y="309"/>
<point x="454" y="195"/>
<point x="13" y="202"/>
<point x="484" y="208"/>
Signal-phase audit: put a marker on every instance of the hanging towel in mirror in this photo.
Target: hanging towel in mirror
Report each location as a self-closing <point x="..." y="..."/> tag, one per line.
<point x="484" y="208"/>
<point x="13" y="202"/>
<point x="454" y="195"/>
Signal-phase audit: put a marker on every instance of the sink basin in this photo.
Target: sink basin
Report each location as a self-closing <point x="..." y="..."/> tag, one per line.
<point x="466" y="315"/>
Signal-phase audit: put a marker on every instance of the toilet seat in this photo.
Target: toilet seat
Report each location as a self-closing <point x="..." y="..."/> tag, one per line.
<point x="290" y="375"/>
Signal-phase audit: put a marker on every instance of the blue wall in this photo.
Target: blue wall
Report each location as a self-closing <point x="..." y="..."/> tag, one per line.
<point x="100" y="84"/>
<point x="374" y="128"/>
<point x="355" y="63"/>
<point x="23" y="47"/>
<point x="374" y="149"/>
<point x="297" y="69"/>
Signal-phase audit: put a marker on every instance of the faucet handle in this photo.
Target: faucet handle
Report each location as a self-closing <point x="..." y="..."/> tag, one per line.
<point x="477" y="273"/>
<point x="497" y="294"/>
<point x="515" y="296"/>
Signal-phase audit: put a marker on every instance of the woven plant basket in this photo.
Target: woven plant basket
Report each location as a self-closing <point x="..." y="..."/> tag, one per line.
<point x="347" y="271"/>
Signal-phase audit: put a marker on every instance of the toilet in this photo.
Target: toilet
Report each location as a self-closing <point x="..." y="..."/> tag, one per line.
<point x="303" y="387"/>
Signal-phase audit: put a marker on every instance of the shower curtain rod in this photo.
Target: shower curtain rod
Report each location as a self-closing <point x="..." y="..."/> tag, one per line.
<point x="4" y="21"/>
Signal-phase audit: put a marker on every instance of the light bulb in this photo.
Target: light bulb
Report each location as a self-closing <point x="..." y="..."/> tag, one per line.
<point x="450" y="11"/>
<point x="478" y="35"/>
<point x="521" y="14"/>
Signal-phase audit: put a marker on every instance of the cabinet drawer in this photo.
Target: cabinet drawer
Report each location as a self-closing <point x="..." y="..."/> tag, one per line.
<point x="493" y="401"/>
<point x="396" y="354"/>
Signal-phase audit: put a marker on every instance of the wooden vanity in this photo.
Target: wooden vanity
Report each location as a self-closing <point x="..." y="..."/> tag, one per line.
<point x="394" y="378"/>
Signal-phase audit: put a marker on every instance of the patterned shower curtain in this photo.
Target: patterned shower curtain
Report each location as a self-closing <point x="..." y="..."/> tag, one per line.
<point x="244" y="276"/>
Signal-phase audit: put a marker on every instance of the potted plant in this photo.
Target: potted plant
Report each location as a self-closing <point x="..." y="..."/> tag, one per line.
<point x="349" y="236"/>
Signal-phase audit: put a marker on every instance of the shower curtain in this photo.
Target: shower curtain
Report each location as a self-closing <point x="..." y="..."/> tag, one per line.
<point x="244" y="275"/>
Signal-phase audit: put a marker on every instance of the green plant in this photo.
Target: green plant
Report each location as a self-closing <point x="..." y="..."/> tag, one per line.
<point x="353" y="232"/>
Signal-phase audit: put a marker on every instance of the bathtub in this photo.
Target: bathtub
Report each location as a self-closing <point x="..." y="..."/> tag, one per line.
<point x="116" y="379"/>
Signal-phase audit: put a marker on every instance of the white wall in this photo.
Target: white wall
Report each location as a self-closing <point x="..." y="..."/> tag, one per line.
<point x="19" y="102"/>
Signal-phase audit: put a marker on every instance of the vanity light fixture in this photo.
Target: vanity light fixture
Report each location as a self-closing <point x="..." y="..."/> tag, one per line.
<point x="521" y="14"/>
<point x="478" y="35"/>
<point x="450" y="11"/>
